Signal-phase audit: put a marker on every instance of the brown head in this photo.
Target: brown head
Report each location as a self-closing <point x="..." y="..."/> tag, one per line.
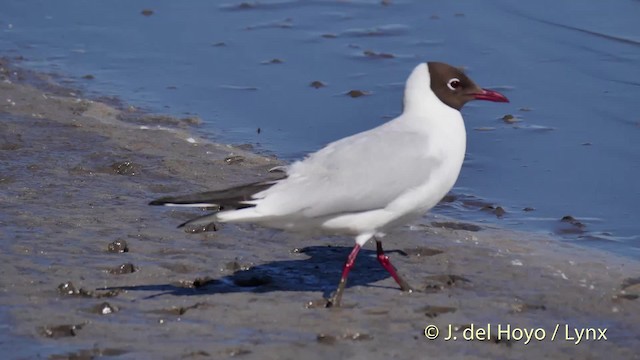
<point x="455" y="89"/>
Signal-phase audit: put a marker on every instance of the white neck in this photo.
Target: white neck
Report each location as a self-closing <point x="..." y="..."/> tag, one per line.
<point x="442" y="124"/>
<point x="417" y="92"/>
<point x="420" y="101"/>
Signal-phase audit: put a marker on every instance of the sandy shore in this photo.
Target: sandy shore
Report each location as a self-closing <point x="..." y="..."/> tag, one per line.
<point x="77" y="175"/>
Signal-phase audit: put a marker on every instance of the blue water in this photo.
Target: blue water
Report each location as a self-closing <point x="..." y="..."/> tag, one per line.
<point x="569" y="68"/>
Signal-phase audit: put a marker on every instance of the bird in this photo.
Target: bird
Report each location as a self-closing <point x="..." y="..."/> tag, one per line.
<point x="366" y="184"/>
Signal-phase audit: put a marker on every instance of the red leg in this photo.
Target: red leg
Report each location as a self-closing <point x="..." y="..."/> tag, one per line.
<point x="384" y="261"/>
<point x="348" y="265"/>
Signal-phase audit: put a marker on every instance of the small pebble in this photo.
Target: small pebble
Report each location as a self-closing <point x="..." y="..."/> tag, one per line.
<point x="358" y="93"/>
<point x="123" y="269"/>
<point x="68" y="289"/>
<point x="326" y="339"/>
<point x="510" y="119"/>
<point x="234" y="159"/>
<point x="60" y="331"/>
<point x="118" y="246"/>
<point x="104" y="309"/>
<point x="317" y="84"/>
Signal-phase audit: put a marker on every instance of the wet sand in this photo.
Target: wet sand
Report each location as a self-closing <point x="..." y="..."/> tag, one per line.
<point x="77" y="175"/>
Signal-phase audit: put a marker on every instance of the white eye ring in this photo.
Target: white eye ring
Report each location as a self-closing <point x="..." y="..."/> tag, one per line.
<point x="453" y="84"/>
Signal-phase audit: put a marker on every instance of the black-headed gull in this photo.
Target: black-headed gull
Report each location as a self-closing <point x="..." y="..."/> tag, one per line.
<point x="367" y="183"/>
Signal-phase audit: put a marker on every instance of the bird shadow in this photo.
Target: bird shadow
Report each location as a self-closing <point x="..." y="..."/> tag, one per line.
<point x="318" y="269"/>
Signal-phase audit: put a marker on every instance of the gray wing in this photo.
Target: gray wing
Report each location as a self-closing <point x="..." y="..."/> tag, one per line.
<point x="363" y="172"/>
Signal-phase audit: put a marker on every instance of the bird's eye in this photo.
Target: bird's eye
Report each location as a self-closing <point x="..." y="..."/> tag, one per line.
<point x="454" y="83"/>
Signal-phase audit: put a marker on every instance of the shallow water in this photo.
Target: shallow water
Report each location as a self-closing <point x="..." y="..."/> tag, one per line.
<point x="569" y="70"/>
<point x="247" y="290"/>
